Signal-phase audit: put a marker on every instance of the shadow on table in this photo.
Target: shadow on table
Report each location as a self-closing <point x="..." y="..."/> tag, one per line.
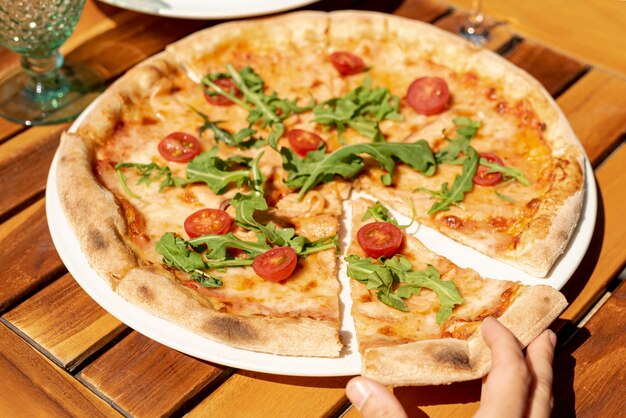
<point x="564" y="370"/>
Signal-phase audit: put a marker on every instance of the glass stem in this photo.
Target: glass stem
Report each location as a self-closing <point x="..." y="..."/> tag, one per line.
<point x="44" y="75"/>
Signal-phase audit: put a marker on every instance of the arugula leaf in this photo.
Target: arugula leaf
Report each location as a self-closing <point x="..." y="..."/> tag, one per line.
<point x="400" y="270"/>
<point x="318" y="167"/>
<point x="462" y="184"/>
<point x="206" y="280"/>
<point x="243" y="139"/>
<point x="176" y="253"/>
<point x="361" y="109"/>
<point x="466" y="130"/>
<point x="264" y="110"/>
<point x="380" y="213"/>
<point x="147" y="174"/>
<point x="217" y="244"/>
<point x="215" y="172"/>
<point x="507" y="172"/>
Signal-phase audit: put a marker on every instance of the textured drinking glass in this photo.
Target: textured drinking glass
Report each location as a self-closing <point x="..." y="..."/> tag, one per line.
<point x="475" y="29"/>
<point x="45" y="89"/>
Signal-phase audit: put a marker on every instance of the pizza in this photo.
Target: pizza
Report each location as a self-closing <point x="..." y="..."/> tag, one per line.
<point x="420" y="337"/>
<point x="208" y="186"/>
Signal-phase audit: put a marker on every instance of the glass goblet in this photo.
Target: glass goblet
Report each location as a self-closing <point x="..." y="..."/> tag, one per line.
<point x="475" y="29"/>
<point x="44" y="90"/>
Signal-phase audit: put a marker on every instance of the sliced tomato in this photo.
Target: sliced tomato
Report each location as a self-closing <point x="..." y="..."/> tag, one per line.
<point x="302" y="141"/>
<point x="346" y="63"/>
<point x="179" y="147"/>
<point x="428" y="95"/>
<point x="482" y="177"/>
<point x="380" y="239"/>
<point x="276" y="264"/>
<point x="228" y="86"/>
<point x="207" y="222"/>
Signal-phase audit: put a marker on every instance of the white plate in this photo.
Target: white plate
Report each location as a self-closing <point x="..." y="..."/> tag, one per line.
<point x="349" y="363"/>
<point x="208" y="9"/>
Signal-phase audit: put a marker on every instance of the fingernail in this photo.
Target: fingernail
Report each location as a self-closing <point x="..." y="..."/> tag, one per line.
<point x="552" y="337"/>
<point x="358" y="391"/>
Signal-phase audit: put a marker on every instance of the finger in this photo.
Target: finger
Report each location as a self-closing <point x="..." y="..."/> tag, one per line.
<point x="505" y="389"/>
<point x="539" y="357"/>
<point x="372" y="399"/>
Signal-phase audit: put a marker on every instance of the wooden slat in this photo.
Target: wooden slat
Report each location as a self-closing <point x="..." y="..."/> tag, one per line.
<point x="553" y="70"/>
<point x="607" y="254"/>
<point x="424" y="10"/>
<point x="24" y="164"/>
<point x="27" y="256"/>
<point x="32" y="386"/>
<point x="596" y="108"/>
<point x="65" y="322"/>
<point x="590" y="372"/>
<point x="246" y="394"/>
<point x="594" y="31"/>
<point x="146" y="379"/>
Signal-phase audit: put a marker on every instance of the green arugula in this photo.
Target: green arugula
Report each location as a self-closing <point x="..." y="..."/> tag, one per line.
<point x="507" y="172"/>
<point x="264" y="110"/>
<point x="466" y="131"/>
<point x="215" y="172"/>
<point x="380" y="213"/>
<point x="399" y="270"/>
<point x="462" y="184"/>
<point x="147" y="174"/>
<point x="360" y="109"/>
<point x="244" y="139"/>
<point x="319" y="167"/>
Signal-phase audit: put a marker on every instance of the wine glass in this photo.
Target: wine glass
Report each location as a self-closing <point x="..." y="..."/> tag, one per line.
<point x="475" y="29"/>
<point x="45" y="89"/>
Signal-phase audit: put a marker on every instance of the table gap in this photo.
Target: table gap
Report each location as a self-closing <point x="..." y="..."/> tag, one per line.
<point x="38" y="286"/>
<point x="607" y="153"/>
<point x="205" y="392"/>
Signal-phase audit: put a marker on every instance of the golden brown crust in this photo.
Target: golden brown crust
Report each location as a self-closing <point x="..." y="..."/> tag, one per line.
<point x="436" y="362"/>
<point x="163" y="297"/>
<point x="91" y="210"/>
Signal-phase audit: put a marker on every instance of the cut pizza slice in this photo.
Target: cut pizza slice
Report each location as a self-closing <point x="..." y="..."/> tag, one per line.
<point x="417" y="315"/>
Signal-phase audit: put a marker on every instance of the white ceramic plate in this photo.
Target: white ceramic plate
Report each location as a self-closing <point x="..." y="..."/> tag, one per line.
<point x="208" y="9"/>
<point x="349" y="363"/>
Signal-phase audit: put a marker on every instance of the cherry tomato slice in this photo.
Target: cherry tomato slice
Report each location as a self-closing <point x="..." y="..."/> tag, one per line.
<point x="380" y="239"/>
<point x="302" y="141"/>
<point x="276" y="264"/>
<point x="347" y="63"/>
<point x="428" y="95"/>
<point x="207" y="222"/>
<point x="228" y="86"/>
<point x="179" y="147"/>
<point x="482" y="178"/>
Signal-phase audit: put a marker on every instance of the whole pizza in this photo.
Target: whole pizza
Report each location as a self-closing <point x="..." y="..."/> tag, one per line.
<point x="209" y="184"/>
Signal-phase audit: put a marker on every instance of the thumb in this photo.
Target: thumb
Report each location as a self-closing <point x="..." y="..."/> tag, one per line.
<point x="372" y="399"/>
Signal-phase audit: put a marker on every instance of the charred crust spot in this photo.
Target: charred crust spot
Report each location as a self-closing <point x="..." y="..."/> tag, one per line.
<point x="543" y="126"/>
<point x="230" y="329"/>
<point x="145" y="292"/>
<point x="499" y="223"/>
<point x="97" y="240"/>
<point x="453" y="222"/>
<point x="454" y="358"/>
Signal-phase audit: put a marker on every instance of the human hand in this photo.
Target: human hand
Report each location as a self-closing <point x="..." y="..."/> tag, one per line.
<point x="516" y="386"/>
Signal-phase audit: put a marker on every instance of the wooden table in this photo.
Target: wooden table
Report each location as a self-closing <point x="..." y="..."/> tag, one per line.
<point x="61" y="354"/>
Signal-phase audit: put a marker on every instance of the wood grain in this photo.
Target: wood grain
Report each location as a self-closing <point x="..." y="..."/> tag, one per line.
<point x="65" y="322"/>
<point x="32" y="386"/>
<point x="594" y="31"/>
<point x="28" y="258"/>
<point x="248" y="394"/>
<point x="593" y="276"/>
<point x="555" y="71"/>
<point x="146" y="379"/>
<point x="596" y="109"/>
<point x="424" y="10"/>
<point x="590" y="372"/>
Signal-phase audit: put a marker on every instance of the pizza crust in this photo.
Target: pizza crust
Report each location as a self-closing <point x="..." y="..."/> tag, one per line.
<point x="448" y="360"/>
<point x="161" y="296"/>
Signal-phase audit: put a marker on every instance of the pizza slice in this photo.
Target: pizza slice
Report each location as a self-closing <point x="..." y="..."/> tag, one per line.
<point x="417" y="315"/>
